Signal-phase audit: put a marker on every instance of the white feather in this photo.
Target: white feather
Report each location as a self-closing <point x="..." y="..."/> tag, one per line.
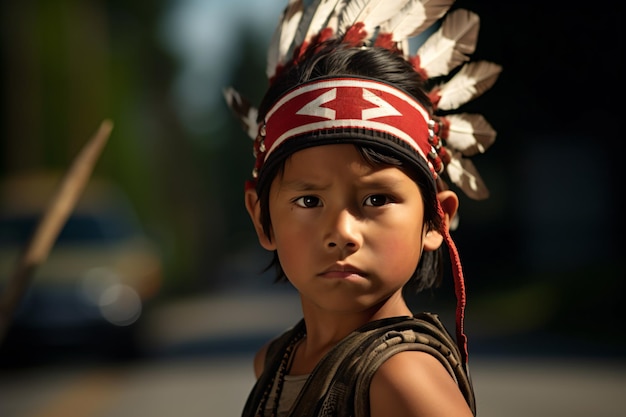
<point x="385" y="10"/>
<point x="415" y="17"/>
<point x="369" y="12"/>
<point x="463" y="173"/>
<point x="241" y="107"/>
<point x="405" y="22"/>
<point x="450" y="46"/>
<point x="469" y="133"/>
<point x="282" y="39"/>
<point x="354" y="11"/>
<point x="470" y="82"/>
<point x="405" y="47"/>
<point x="333" y="20"/>
<point x="435" y="9"/>
<point x="315" y="18"/>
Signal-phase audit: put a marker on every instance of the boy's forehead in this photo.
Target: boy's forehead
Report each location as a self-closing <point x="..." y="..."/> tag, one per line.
<point x="322" y="163"/>
<point x="311" y="159"/>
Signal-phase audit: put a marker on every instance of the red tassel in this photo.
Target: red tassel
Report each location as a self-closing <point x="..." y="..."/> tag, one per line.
<point x="321" y="37"/>
<point x="385" y="40"/>
<point x="459" y="290"/>
<point x="434" y="97"/>
<point x="416" y="62"/>
<point x="324" y="35"/>
<point x="355" y="36"/>
<point x="445" y="128"/>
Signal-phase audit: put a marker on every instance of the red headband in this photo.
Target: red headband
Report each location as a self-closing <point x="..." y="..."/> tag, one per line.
<point x="354" y="103"/>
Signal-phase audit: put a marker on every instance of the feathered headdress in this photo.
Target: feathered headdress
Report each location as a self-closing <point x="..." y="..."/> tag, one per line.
<point x="443" y="139"/>
<point x="391" y="24"/>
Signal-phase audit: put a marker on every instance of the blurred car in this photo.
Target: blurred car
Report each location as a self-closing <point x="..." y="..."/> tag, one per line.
<point x="89" y="294"/>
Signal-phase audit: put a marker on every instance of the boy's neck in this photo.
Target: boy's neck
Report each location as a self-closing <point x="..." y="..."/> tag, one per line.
<point x="325" y="329"/>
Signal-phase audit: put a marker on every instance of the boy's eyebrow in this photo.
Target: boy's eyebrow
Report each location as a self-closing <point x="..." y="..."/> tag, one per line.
<point x="380" y="183"/>
<point x="300" y="185"/>
<point x="380" y="180"/>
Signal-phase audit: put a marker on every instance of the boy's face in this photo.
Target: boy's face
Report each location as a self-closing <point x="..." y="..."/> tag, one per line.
<point x="348" y="235"/>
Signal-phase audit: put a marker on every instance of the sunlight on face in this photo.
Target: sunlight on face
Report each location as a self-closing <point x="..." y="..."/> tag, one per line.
<point x="348" y="235"/>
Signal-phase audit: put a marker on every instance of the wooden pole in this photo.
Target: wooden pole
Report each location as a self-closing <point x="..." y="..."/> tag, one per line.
<point x="51" y="223"/>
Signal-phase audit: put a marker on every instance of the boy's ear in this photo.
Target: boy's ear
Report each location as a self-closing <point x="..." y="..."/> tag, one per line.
<point x="449" y="202"/>
<point x="254" y="210"/>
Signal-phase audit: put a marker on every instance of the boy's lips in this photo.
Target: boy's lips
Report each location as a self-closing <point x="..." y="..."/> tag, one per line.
<point x="341" y="271"/>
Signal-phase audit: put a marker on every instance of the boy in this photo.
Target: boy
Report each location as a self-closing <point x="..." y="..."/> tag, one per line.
<point x="346" y="192"/>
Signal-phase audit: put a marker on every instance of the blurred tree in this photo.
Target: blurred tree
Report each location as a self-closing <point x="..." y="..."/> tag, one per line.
<point x="55" y="82"/>
<point x="66" y="66"/>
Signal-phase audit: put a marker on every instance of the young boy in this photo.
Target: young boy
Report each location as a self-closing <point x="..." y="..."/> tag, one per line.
<point x="347" y="195"/>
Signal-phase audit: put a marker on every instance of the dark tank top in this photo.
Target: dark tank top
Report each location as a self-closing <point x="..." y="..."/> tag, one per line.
<point x="339" y="384"/>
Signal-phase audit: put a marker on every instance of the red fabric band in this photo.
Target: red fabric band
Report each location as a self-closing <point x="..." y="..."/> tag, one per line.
<point x="347" y="103"/>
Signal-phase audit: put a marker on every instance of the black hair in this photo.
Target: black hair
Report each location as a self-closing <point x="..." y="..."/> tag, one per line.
<point x="337" y="59"/>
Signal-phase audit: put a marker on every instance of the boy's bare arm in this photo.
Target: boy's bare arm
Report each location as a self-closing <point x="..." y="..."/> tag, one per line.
<point x="415" y="384"/>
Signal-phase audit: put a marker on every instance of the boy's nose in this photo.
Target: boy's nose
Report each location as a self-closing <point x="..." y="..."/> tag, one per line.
<point x="344" y="232"/>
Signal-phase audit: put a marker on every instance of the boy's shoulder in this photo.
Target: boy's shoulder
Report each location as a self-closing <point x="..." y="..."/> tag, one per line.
<point x="416" y="381"/>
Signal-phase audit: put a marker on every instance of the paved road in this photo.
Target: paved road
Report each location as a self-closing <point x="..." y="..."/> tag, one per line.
<point x="178" y="380"/>
<point x="218" y="387"/>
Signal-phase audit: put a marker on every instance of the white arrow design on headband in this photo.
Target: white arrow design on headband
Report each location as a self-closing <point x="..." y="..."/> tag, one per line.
<point x="382" y="108"/>
<point x="314" y="108"/>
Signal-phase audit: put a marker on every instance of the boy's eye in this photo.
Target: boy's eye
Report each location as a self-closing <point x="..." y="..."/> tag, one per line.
<point x="308" y="201"/>
<point x="376" y="200"/>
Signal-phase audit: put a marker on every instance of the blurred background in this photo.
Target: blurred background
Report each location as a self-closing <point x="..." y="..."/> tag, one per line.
<point x="159" y="259"/>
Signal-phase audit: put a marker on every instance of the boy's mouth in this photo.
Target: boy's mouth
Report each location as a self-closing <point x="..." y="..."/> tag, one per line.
<point x="341" y="271"/>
